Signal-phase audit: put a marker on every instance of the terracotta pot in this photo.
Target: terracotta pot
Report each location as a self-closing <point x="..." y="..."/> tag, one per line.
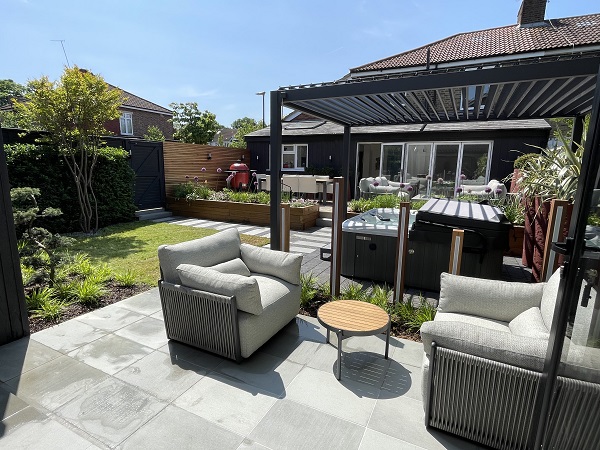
<point x="540" y="229"/>
<point x="515" y="240"/>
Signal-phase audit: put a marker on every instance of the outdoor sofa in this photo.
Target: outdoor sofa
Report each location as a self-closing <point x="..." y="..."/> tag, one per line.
<point x="484" y="354"/>
<point x="226" y="297"/>
<point x="372" y="186"/>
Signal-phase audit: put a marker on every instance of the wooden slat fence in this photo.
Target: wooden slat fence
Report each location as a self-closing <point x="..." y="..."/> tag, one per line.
<point x="181" y="159"/>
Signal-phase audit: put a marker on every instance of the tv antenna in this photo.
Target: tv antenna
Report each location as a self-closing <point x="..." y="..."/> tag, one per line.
<point x="62" y="44"/>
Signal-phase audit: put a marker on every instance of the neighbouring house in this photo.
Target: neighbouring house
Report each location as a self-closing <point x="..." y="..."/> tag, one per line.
<point x="223" y="137"/>
<point x="441" y="150"/>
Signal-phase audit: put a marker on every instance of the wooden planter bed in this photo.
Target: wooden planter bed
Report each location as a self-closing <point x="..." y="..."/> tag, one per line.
<point x="301" y="218"/>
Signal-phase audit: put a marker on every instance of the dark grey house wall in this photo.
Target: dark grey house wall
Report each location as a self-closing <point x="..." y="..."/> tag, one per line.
<point x="320" y="147"/>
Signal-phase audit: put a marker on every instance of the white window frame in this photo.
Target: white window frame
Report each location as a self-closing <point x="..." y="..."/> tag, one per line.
<point x="296" y="154"/>
<point x="123" y="120"/>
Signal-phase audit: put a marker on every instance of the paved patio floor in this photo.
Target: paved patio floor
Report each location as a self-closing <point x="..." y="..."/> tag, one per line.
<point x="111" y="379"/>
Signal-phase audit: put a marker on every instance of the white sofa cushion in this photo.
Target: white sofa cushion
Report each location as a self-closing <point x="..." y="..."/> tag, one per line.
<point x="473" y="320"/>
<point x="529" y="324"/>
<point x="548" y="302"/>
<point x="206" y="251"/>
<point x="269" y="262"/>
<point x="244" y="289"/>
<point x="235" y="266"/>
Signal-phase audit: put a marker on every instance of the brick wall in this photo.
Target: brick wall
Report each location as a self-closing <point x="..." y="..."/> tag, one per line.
<point x="141" y="121"/>
<point x="531" y="11"/>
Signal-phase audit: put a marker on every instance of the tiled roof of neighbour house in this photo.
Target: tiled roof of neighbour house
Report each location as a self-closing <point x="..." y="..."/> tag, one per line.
<point x="566" y="33"/>
<point x="312" y="128"/>
<point x="134" y="101"/>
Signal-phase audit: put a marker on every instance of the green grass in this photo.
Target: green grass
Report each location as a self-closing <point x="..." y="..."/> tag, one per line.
<point x="133" y="246"/>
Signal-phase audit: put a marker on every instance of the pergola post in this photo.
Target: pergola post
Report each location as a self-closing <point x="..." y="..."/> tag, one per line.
<point x="345" y="170"/>
<point x="275" y="210"/>
<point x="14" y="323"/>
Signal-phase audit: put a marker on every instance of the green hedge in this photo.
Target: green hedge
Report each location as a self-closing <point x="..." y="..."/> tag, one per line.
<point x="41" y="167"/>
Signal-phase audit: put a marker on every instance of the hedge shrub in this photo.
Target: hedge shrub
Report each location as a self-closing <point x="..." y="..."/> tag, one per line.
<point x="42" y="167"/>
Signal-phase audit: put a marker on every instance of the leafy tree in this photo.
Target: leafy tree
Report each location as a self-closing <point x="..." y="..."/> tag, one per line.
<point x="73" y="110"/>
<point x="193" y="126"/>
<point x="244" y="126"/>
<point x="9" y="90"/>
<point x="154" y="134"/>
<point x="38" y="247"/>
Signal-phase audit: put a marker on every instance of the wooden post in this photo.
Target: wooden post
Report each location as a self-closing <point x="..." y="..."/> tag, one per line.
<point x="456" y="246"/>
<point x="285" y="227"/>
<point x="556" y="221"/>
<point x="338" y="216"/>
<point x="401" y="250"/>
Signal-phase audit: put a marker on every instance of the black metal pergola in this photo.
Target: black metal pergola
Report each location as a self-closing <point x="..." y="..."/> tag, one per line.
<point x="565" y="86"/>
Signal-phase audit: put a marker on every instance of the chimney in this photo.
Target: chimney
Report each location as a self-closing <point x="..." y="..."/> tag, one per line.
<point x="531" y="13"/>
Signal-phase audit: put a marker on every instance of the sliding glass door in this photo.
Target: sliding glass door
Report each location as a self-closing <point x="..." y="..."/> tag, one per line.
<point x="445" y="168"/>
<point x="417" y="167"/>
<point x="391" y="166"/>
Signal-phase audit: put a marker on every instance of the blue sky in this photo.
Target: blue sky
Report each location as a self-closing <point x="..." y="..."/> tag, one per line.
<point x="220" y="53"/>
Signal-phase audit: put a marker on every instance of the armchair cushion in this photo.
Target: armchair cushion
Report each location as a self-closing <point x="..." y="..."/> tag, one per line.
<point x="529" y="324"/>
<point x="473" y="320"/>
<point x="497" y="300"/>
<point x="235" y="266"/>
<point x="206" y="251"/>
<point x="244" y="289"/>
<point x="548" y="301"/>
<point x="271" y="262"/>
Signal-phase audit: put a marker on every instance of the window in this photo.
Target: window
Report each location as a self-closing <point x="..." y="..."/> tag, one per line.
<point x="294" y="156"/>
<point x="126" y="122"/>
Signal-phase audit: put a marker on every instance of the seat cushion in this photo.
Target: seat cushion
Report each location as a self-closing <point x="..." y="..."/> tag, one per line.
<point x="271" y="262"/>
<point x="473" y="320"/>
<point x="529" y="324"/>
<point x="281" y="303"/>
<point x="245" y="289"/>
<point x="207" y="251"/>
<point x="548" y="302"/>
<point x="235" y="266"/>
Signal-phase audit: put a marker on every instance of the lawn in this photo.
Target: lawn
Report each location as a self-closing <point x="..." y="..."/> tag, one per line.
<point x="133" y="246"/>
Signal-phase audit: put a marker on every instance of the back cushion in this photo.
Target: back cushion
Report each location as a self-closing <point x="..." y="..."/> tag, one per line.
<point x="207" y="251"/>
<point x="270" y="262"/>
<point x="235" y="266"/>
<point x="244" y="289"/>
<point x="549" y="298"/>
<point x="529" y="324"/>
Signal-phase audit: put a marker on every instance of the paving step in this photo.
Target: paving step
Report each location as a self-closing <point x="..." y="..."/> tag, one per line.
<point x="324" y="222"/>
<point x="325" y="214"/>
<point x="152" y="214"/>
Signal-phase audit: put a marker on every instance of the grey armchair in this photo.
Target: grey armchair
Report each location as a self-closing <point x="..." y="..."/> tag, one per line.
<point x="483" y="356"/>
<point x="226" y="297"/>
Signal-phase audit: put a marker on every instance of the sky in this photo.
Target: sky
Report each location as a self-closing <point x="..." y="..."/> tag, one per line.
<point x="220" y="53"/>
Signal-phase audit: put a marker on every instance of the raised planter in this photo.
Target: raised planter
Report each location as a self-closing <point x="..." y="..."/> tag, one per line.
<point x="515" y="240"/>
<point x="301" y="218"/>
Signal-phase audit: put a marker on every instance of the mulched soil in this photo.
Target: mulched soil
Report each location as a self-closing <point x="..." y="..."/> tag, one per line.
<point x="398" y="330"/>
<point x="115" y="294"/>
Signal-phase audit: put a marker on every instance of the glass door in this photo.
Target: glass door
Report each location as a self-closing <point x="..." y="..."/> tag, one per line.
<point x="417" y="168"/>
<point x="391" y="166"/>
<point x="474" y="168"/>
<point x="445" y="166"/>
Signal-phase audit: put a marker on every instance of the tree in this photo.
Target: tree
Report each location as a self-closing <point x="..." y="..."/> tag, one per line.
<point x="154" y="134"/>
<point x="244" y="126"/>
<point x="9" y="90"/>
<point x="193" y="126"/>
<point x="73" y="111"/>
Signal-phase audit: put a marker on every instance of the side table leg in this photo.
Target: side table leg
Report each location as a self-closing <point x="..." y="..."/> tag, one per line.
<point x="339" y="359"/>
<point x="387" y="339"/>
<point x="327" y="341"/>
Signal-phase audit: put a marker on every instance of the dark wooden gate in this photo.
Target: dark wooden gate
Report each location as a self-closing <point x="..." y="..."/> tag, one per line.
<point x="147" y="162"/>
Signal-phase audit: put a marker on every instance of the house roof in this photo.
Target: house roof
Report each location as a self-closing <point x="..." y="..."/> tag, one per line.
<point x="134" y="101"/>
<point x="567" y="34"/>
<point x="320" y="127"/>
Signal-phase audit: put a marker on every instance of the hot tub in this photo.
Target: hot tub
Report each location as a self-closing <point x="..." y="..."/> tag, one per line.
<point x="369" y="243"/>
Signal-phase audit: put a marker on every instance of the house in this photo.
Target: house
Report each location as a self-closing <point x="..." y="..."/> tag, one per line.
<point x="440" y="150"/>
<point x="137" y="114"/>
<point x="223" y="137"/>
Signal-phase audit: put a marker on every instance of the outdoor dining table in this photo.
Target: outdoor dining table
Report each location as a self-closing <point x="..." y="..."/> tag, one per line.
<point x="323" y="183"/>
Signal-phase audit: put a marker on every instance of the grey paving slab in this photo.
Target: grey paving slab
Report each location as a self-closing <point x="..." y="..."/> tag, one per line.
<point x="158" y="315"/>
<point x="9" y="403"/>
<point x="291" y="347"/>
<point x="110" y="318"/>
<point x="147" y="331"/>
<point x="30" y="429"/>
<point x="56" y="382"/>
<point x="257" y="231"/>
<point x="408" y="352"/>
<point x="175" y="428"/>
<point x="111" y="411"/>
<point x="299" y="249"/>
<point x="68" y="335"/>
<point x="347" y="399"/>
<point x="249" y="444"/>
<point x="229" y="403"/>
<point x="403" y="418"/>
<point x="402" y="379"/>
<point x="264" y="371"/>
<point x="290" y="425"/>
<point x="111" y="353"/>
<point x="306" y="328"/>
<point x="146" y="303"/>
<point x="162" y="377"/>
<point x="181" y="352"/>
<point x="22" y="356"/>
<point x="375" y="440"/>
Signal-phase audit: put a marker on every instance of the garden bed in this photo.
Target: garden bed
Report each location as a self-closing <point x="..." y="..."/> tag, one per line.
<point x="301" y="218"/>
